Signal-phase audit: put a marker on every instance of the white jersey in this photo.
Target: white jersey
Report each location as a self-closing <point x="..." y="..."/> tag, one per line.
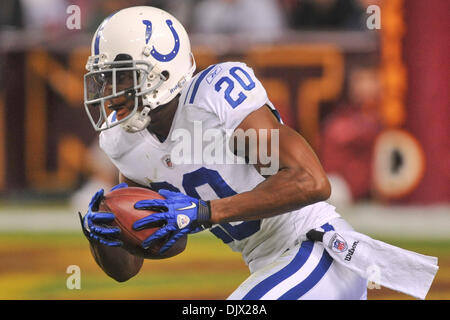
<point x="219" y="97"/>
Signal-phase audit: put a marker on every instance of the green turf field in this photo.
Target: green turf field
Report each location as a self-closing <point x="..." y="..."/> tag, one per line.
<point x="33" y="266"/>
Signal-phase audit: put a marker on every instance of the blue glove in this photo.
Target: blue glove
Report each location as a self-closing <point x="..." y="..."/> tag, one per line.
<point x="95" y="224"/>
<point x="182" y="215"/>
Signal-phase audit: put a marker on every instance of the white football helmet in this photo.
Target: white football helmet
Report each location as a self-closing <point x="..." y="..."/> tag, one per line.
<point x="152" y="48"/>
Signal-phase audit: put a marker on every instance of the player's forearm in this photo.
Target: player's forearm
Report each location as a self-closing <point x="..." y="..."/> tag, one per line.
<point x="288" y="190"/>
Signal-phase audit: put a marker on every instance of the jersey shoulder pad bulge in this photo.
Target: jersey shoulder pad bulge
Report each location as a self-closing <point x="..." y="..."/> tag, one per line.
<point x="229" y="90"/>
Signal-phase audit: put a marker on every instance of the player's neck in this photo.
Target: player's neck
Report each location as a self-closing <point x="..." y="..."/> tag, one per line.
<point x="162" y="118"/>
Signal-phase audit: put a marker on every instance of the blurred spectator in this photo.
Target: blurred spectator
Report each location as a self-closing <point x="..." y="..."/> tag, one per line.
<point x="365" y="89"/>
<point x="182" y="10"/>
<point x="326" y="14"/>
<point x="349" y="133"/>
<point x="11" y="14"/>
<point x="44" y="15"/>
<point x="98" y="10"/>
<point x="264" y="19"/>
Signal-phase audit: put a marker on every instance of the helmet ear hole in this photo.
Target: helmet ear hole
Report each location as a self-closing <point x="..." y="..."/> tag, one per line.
<point x="123" y="57"/>
<point x="166" y="75"/>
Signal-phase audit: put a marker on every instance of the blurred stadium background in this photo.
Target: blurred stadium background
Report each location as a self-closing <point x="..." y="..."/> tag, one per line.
<point x="373" y="103"/>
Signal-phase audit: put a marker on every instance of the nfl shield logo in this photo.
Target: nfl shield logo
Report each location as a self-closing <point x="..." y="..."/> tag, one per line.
<point x="338" y="244"/>
<point x="182" y="221"/>
<point x="167" y="162"/>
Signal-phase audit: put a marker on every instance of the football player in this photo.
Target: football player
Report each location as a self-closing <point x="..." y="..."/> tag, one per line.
<point x="139" y="91"/>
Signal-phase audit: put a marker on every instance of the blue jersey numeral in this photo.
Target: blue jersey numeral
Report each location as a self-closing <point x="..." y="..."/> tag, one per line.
<point x="246" y="85"/>
<point x="230" y="87"/>
<point x="203" y="176"/>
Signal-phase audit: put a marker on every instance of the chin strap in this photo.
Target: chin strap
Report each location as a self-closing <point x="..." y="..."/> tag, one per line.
<point x="139" y="121"/>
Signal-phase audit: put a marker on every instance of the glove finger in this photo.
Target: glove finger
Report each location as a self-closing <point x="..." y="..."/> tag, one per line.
<point x="172" y="240"/>
<point x="168" y="194"/>
<point x="102" y="217"/>
<point x="161" y="233"/>
<point x="96" y="198"/>
<point x="150" y="204"/>
<point x="105" y="241"/>
<point x="110" y="243"/>
<point x="120" y="186"/>
<point x="151" y="221"/>
<point x="104" y="230"/>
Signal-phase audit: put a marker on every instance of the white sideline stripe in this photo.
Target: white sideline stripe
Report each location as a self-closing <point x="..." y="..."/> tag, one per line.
<point x="43" y="221"/>
<point x="417" y="221"/>
<point x="38" y="221"/>
<point x="426" y="222"/>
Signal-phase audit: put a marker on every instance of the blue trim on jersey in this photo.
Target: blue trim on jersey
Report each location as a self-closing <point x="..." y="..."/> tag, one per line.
<point x="267" y="284"/>
<point x="198" y="81"/>
<point x="114" y="117"/>
<point x="187" y="93"/>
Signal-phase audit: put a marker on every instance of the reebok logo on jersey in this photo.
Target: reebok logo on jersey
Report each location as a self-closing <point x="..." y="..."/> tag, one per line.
<point x="213" y="74"/>
<point x="182" y="220"/>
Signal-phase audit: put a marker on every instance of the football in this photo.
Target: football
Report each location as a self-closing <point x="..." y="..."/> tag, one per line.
<point x="121" y="203"/>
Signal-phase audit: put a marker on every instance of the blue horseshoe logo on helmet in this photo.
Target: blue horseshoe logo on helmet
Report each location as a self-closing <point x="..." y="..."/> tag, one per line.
<point x="155" y="54"/>
<point x="148" y="30"/>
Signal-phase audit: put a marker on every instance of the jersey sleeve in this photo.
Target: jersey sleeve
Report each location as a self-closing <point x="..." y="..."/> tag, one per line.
<point x="229" y="90"/>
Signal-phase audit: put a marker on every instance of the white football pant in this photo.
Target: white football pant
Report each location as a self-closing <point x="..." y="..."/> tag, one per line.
<point x="305" y="271"/>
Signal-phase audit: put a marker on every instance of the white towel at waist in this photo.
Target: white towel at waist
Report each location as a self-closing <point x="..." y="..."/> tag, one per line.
<point x="390" y="266"/>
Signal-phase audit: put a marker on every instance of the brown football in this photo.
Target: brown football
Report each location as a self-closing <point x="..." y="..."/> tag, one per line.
<point x="121" y="203"/>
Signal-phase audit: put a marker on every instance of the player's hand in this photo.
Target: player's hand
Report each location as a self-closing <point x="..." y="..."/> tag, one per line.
<point x="182" y="215"/>
<point x="95" y="224"/>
